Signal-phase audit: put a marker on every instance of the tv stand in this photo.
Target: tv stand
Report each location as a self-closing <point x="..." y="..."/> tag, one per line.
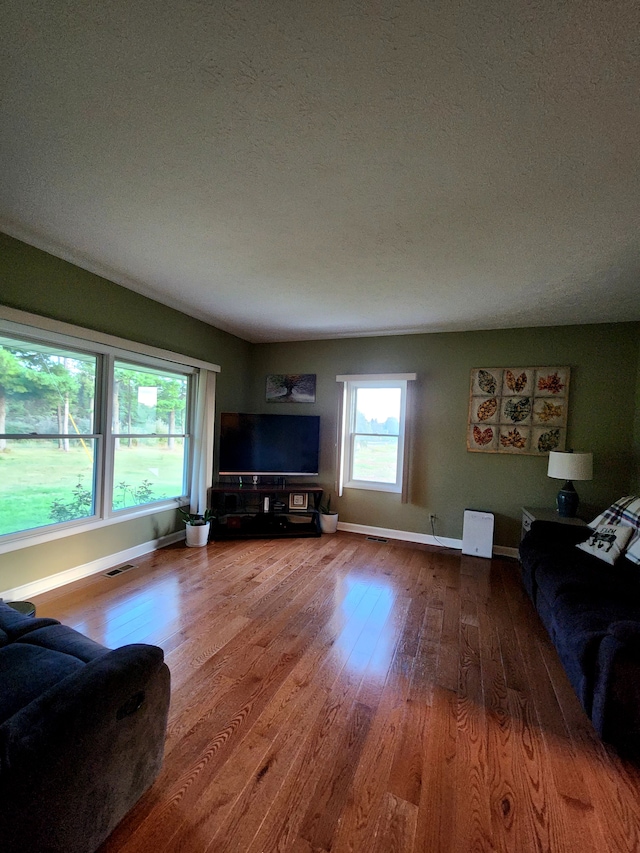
<point x="250" y="510"/>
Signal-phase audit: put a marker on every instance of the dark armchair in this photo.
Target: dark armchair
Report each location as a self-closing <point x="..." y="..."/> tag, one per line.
<point x="82" y="732"/>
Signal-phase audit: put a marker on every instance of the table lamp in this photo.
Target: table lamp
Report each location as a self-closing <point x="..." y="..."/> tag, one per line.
<point x="568" y="466"/>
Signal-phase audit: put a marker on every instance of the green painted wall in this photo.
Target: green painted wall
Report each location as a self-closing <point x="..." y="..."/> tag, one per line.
<point x="32" y="280"/>
<point x="636" y="483"/>
<point x="35" y="281"/>
<point x="38" y="561"/>
<point x="447" y="478"/>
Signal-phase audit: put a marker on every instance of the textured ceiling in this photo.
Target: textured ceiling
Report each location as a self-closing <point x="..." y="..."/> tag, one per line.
<point x="291" y="169"/>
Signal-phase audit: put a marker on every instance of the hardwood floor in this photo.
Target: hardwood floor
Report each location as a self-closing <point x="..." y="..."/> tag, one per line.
<point x="339" y="694"/>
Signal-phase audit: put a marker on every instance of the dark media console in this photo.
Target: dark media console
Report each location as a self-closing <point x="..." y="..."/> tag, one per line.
<point x="263" y="511"/>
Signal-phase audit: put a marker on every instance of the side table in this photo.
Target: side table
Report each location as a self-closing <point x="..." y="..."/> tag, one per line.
<point x="542" y="513"/>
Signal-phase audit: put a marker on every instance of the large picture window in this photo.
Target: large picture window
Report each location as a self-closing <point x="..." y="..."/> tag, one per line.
<point x="48" y="441"/>
<point x="87" y="433"/>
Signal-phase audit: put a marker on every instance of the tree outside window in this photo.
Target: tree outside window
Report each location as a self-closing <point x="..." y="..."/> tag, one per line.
<point x="58" y="455"/>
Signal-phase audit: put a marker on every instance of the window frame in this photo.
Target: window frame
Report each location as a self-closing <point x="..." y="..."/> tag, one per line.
<point x="106" y="349"/>
<point x="109" y="460"/>
<point x="348" y="432"/>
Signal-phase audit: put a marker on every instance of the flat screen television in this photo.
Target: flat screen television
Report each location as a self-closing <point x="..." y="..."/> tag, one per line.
<point x="278" y="445"/>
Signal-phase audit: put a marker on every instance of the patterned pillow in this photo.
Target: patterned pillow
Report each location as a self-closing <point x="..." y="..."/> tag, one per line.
<point x="625" y="512"/>
<point x="607" y="542"/>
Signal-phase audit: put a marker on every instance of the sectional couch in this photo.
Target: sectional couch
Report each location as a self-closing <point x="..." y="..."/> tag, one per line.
<point x="591" y="611"/>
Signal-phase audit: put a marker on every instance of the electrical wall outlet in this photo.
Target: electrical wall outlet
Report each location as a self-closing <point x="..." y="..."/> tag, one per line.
<point x="433" y="517"/>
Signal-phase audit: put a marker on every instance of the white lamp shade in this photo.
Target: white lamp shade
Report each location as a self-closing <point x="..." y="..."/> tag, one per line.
<point x="570" y="466"/>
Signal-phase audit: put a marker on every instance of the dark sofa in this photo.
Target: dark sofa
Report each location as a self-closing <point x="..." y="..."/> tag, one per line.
<point x="591" y="611"/>
<point x="82" y="732"/>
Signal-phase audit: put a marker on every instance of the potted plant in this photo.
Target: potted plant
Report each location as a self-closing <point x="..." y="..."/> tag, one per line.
<point x="197" y="527"/>
<point x="328" y="519"/>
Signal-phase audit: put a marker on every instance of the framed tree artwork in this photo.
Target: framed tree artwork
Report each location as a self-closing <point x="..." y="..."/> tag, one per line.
<point x="291" y="388"/>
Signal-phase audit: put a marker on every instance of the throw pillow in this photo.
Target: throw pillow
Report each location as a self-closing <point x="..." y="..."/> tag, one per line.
<point x="607" y="542"/>
<point x="625" y="512"/>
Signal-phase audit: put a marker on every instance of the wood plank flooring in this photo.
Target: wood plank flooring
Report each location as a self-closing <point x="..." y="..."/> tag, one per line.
<point x="340" y="694"/>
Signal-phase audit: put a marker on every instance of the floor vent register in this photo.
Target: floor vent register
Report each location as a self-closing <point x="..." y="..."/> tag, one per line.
<point x="113" y="572"/>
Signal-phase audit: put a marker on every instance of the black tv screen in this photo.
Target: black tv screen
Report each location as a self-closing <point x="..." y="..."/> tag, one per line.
<point x="269" y="444"/>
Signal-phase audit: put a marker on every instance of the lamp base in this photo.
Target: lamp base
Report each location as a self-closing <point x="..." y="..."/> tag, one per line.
<point x="567" y="501"/>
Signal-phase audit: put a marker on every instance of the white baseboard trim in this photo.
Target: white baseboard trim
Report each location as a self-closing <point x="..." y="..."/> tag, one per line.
<point x="421" y="538"/>
<point x="27" y="590"/>
<point x="403" y="535"/>
<point x="505" y="551"/>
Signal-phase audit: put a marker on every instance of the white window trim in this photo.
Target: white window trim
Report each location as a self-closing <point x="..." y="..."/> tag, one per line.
<point x="27" y="326"/>
<point x="24" y="321"/>
<point x="345" y="440"/>
<point x="71" y="528"/>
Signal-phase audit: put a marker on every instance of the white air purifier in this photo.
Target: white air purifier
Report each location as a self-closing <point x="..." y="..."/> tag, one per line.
<point x="477" y="533"/>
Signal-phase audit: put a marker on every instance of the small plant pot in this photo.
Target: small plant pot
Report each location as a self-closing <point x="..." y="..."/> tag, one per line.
<point x="197" y="534"/>
<point x="328" y="522"/>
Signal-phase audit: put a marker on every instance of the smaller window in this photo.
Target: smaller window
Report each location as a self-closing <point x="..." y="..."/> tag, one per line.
<point x="374" y="421"/>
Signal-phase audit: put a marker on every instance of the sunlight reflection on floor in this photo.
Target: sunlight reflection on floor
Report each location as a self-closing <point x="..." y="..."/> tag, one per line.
<point x="128" y="620"/>
<point x="364" y="639"/>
